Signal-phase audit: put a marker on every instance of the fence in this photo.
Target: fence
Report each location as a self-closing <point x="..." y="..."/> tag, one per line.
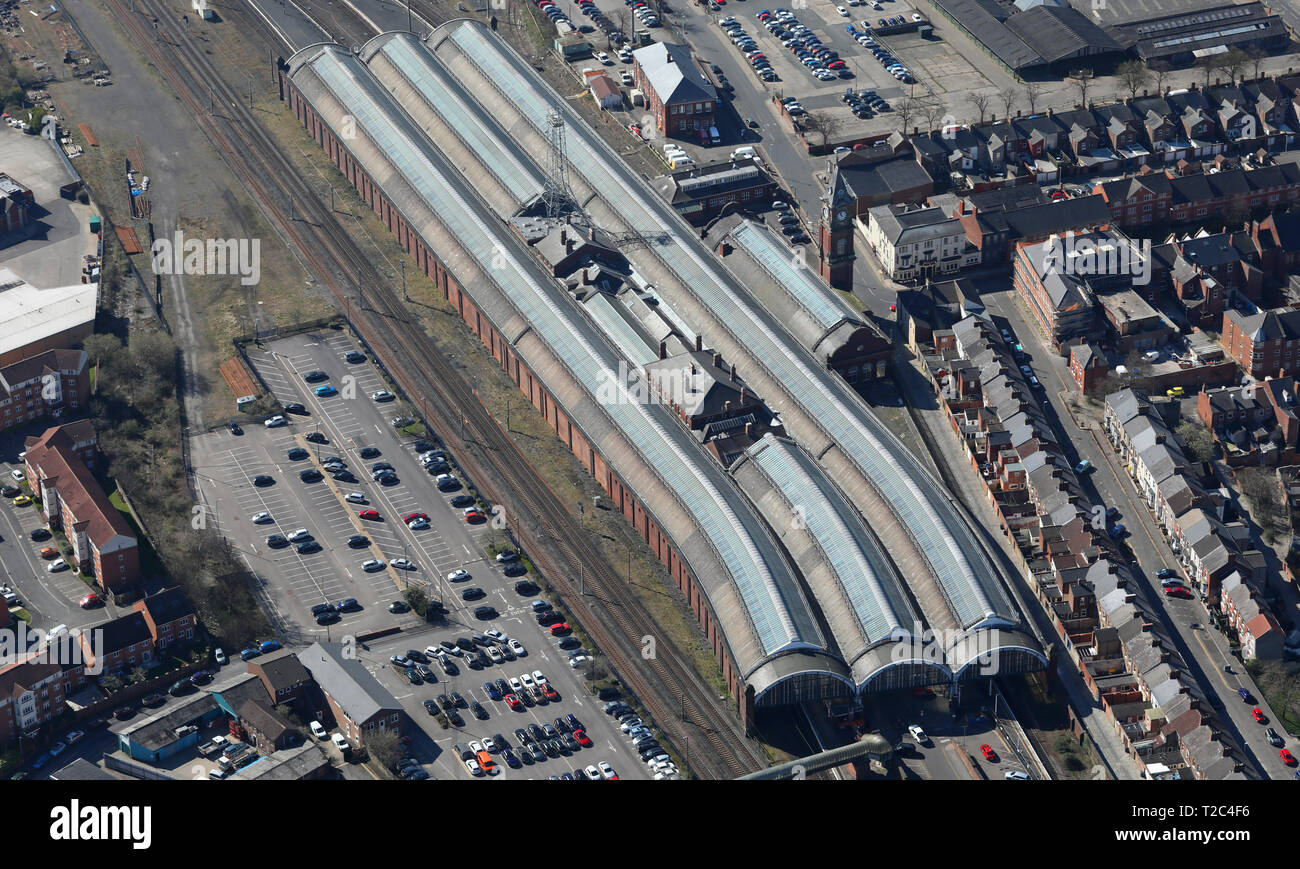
<point x="135" y="770"/>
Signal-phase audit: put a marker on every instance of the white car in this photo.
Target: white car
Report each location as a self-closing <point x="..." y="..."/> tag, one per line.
<point x="476" y="746"/>
<point x="340" y="742"/>
<point x="493" y="633"/>
<point x="275" y="422"/>
<point x="75" y="736"/>
<point x="917" y="733"/>
<point x="472" y="765"/>
<point x="318" y="730"/>
<point x="220" y="655"/>
<point x="56" y="565"/>
<point x="593" y="773"/>
<point x="844" y="12"/>
<point x="261" y="518"/>
<point x="515" y="685"/>
<point x="458" y="576"/>
<point x="603" y="57"/>
<point x="403" y="563"/>
<point x="17" y="474"/>
<point x="418" y="524"/>
<point x="382" y="395"/>
<point x="490" y="745"/>
<point x="607" y="771"/>
<point x="916" y="16"/>
<point x="372" y="565"/>
<point x="355" y="497"/>
<point x="526" y="679"/>
<point x="575" y="663"/>
<point x="495" y="654"/>
<point x="298" y="535"/>
<point x="1015" y="775"/>
<point x="517" y="647"/>
<point x="538" y="677"/>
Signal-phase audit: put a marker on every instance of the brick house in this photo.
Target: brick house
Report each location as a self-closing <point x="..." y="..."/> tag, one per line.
<point x="358" y="703"/>
<point x="169" y="615"/>
<point x="1088" y="365"/>
<point x="124" y="642"/>
<point x="1266" y="344"/>
<point x="43" y="385"/>
<point x="282" y="674"/>
<point x="682" y="100"/>
<point x="32" y="693"/>
<point x="16" y="201"/>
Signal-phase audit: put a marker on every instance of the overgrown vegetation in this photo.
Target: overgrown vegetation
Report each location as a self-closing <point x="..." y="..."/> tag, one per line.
<point x="1198" y="443"/>
<point x="1279" y="682"/>
<point x="136" y="412"/>
<point x="1267" y="504"/>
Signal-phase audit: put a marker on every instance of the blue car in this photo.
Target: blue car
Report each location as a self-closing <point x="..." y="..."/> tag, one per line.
<point x="1118" y="531"/>
<point x="268" y="646"/>
<point x="509" y="757"/>
<point x="40" y="761"/>
<point x="325" y="390"/>
<point x="248" y="653"/>
<point x="491" y="691"/>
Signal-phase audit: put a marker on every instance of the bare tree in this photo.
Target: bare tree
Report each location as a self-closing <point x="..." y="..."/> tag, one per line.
<point x="931" y="110"/>
<point x="1133" y="76"/>
<point x="1232" y="62"/>
<point x="1209" y="64"/>
<point x="981" y="104"/>
<point x="1160" y="71"/>
<point x="823" y="124"/>
<point x="1008" y="99"/>
<point x="1082" y="79"/>
<point x="1256" y="55"/>
<point x="1032" y="91"/>
<point x="906" y="110"/>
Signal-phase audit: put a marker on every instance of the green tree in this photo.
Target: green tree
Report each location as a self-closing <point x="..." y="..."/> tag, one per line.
<point x="1133" y="76"/>
<point x="383" y="747"/>
<point x="1197" y="441"/>
<point x="417" y="600"/>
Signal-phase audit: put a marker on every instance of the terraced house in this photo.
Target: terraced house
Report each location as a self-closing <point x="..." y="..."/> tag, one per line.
<point x="43" y="385"/>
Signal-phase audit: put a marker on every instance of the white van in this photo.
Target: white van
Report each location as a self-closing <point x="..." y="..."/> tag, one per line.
<point x="318" y="730"/>
<point x="680" y="161"/>
<point x="744" y="152"/>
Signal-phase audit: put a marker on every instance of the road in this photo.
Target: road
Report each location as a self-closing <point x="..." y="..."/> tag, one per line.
<point x="1203" y="649"/>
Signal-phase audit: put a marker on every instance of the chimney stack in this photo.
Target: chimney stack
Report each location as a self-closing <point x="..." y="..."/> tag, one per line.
<point x="749" y="429"/>
<point x="744" y="395"/>
<point x="663" y="349"/>
<point x="733" y="371"/>
<point x="699" y="343"/>
<point x="692" y="369"/>
<point x="564" y="235"/>
<point x="717" y="359"/>
<point x="726" y="406"/>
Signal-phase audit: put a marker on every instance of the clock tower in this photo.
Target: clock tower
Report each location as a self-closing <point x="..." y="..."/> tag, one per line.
<point x="835" y="237"/>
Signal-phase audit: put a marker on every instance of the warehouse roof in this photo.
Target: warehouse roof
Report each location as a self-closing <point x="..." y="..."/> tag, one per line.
<point x="30" y="314"/>
<point x="1060" y="33"/>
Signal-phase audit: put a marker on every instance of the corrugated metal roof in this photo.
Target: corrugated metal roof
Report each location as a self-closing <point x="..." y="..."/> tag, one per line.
<point x="967" y="579"/>
<point x="821" y="303"/>
<point x="775" y="611"/>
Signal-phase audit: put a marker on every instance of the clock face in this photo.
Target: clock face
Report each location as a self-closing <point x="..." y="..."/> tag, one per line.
<point x="841" y="214"/>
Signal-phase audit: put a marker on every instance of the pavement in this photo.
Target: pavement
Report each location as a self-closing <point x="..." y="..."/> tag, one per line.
<point x="1204" y="649"/>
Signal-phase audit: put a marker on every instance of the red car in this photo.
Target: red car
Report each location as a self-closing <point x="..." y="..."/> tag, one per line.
<point x="411" y="517"/>
<point x="988" y="752"/>
<point x="1258" y="715"/>
<point x="551" y="694"/>
<point x="473" y="514"/>
<point x="369" y="514"/>
<point x="514" y="702"/>
<point x="1287" y="757"/>
<point x="583" y="739"/>
<point x="559" y="628"/>
<point x="1177" y="591"/>
<point x="89" y="601"/>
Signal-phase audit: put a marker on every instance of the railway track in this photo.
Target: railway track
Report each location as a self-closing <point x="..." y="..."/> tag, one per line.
<point x="685" y="711"/>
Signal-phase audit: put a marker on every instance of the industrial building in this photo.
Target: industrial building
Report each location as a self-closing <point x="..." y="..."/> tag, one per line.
<point x="450" y="139"/>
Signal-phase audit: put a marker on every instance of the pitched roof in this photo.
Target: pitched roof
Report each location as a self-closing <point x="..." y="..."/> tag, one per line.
<point x="671" y="72"/>
<point x="167" y="605"/>
<point x="79" y="491"/>
<point x="124" y="631"/>
<point x="346" y="680"/>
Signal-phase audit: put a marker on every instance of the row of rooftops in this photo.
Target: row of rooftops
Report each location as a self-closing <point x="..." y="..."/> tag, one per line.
<point x="1075" y="570"/>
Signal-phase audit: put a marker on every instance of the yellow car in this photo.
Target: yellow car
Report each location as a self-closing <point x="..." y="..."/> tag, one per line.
<point x="22" y="501"/>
